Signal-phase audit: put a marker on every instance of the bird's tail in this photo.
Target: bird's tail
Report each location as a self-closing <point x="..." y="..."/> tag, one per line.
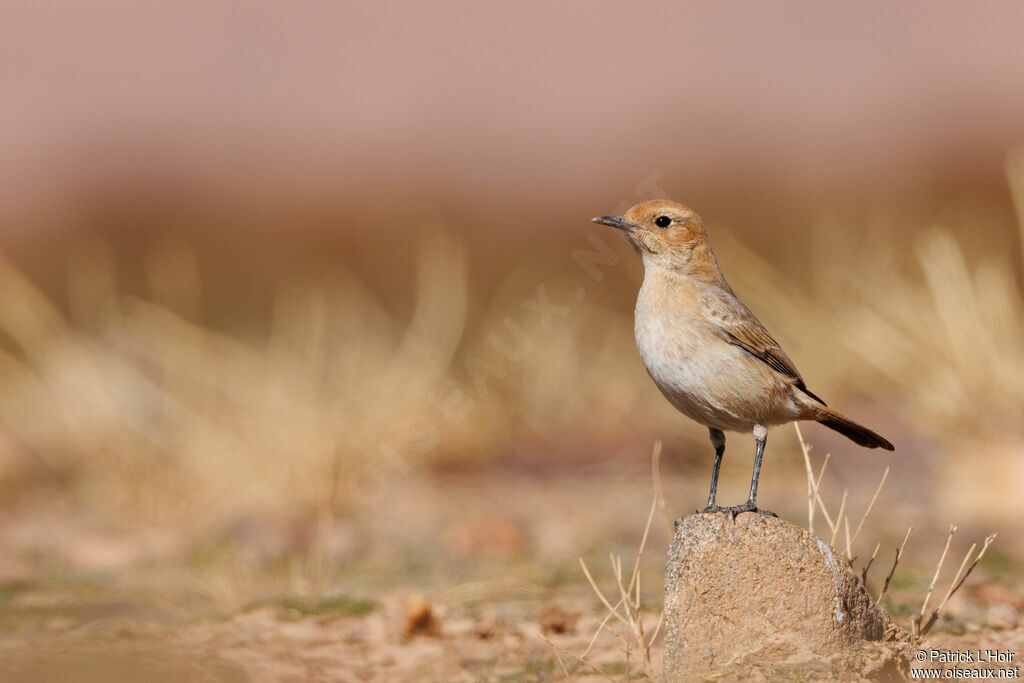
<point x="850" y="429"/>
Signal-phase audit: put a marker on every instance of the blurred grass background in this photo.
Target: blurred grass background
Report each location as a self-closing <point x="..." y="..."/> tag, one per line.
<point x="269" y="289"/>
<point x="176" y="377"/>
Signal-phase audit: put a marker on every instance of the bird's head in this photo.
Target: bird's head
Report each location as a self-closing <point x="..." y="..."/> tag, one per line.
<point x="665" y="233"/>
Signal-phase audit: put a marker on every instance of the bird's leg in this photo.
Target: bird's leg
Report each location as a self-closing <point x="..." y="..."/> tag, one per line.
<point x="718" y="441"/>
<point x="760" y="436"/>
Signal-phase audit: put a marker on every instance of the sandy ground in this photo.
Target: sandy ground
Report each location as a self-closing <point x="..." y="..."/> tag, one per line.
<point x="278" y="644"/>
<point x="486" y="588"/>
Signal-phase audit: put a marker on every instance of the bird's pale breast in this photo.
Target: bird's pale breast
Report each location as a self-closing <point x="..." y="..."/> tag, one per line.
<point x="705" y="377"/>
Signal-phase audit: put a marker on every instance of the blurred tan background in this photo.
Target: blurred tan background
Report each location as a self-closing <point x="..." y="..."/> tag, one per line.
<point x="271" y="281"/>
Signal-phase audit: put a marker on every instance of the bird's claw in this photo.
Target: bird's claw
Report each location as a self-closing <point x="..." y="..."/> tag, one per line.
<point x="734" y="510"/>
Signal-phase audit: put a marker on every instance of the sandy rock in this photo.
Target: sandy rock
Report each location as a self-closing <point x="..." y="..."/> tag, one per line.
<point x="556" y="619"/>
<point x="762" y="590"/>
<point x="1002" y="617"/>
<point x="993" y="593"/>
<point x="419" y="617"/>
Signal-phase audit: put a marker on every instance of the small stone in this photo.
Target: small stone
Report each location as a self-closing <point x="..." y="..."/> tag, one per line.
<point x="992" y="593"/>
<point x="486" y="626"/>
<point x="1002" y="617"/>
<point x="557" y="619"/>
<point x="419" y="618"/>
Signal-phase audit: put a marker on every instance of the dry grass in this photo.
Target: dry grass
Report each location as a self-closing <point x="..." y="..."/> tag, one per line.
<point x="933" y="313"/>
<point x="918" y="624"/>
<point x="142" y="407"/>
<point x="627" y="610"/>
<point x="895" y="564"/>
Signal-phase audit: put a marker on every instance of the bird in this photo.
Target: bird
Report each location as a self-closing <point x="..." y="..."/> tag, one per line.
<point x="707" y="352"/>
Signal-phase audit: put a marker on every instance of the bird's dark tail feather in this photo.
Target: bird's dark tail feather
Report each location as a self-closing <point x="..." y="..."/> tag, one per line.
<point x="851" y="430"/>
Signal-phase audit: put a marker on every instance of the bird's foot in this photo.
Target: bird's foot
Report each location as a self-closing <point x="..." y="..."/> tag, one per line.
<point x="734" y="510"/>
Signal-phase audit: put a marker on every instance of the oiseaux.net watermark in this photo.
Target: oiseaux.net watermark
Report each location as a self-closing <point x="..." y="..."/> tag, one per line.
<point x="975" y="664"/>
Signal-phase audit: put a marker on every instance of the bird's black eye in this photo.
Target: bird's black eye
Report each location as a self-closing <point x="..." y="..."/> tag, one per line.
<point x="663" y="221"/>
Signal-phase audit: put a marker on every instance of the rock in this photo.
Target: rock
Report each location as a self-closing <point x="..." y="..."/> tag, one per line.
<point x="759" y="590"/>
<point x="1002" y="617"/>
<point x="418" y="617"/>
<point x="992" y="593"/>
<point x="556" y="619"/>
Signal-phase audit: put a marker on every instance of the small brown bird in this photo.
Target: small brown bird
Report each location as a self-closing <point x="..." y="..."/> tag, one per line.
<point x="711" y="358"/>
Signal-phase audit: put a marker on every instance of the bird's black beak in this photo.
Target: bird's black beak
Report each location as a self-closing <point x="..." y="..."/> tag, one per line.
<point x="615" y="222"/>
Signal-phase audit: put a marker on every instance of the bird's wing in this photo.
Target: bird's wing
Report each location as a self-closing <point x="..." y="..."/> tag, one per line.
<point x="740" y="327"/>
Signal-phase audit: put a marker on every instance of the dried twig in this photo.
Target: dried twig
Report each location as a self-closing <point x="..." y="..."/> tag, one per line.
<point x="817" y="488"/>
<point x="956" y="586"/>
<point x="558" y="656"/>
<point x="811" y="488"/>
<point x="813" y="484"/>
<point x="839" y="518"/>
<point x="627" y="609"/>
<point x="579" y="658"/>
<point x="659" y="492"/>
<point x="633" y="615"/>
<point x="597" y="591"/>
<point x="657" y="629"/>
<point x="634" y="579"/>
<point x="957" y="581"/>
<point x="895" y="563"/>
<point x="867" y="567"/>
<point x="846" y="526"/>
<point x="600" y="627"/>
<point x="871" y="506"/>
<point x="938" y="568"/>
